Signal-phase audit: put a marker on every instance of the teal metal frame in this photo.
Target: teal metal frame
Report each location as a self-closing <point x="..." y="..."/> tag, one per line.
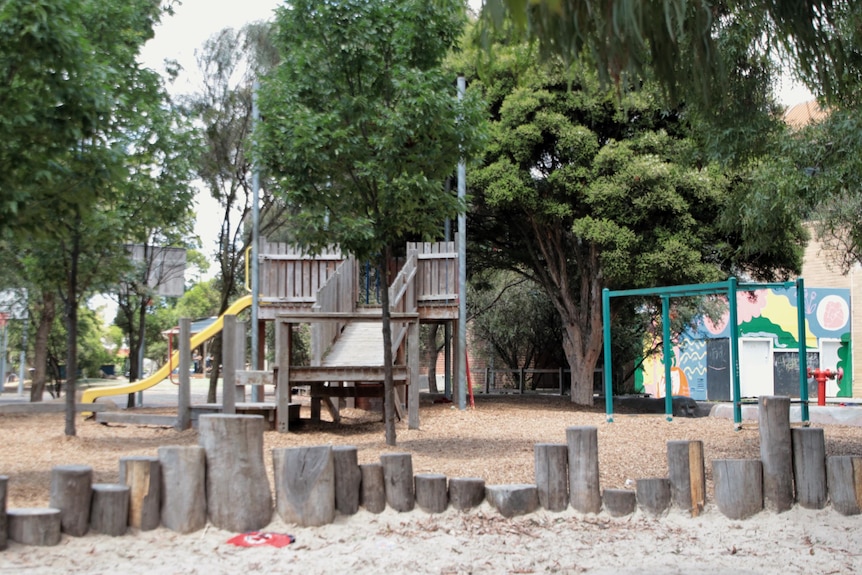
<point x="729" y="288"/>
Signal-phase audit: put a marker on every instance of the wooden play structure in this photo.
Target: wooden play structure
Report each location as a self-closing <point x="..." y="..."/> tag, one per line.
<point x="325" y="292"/>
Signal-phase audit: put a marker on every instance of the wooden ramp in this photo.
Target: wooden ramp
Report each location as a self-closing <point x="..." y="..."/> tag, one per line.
<point x="360" y="344"/>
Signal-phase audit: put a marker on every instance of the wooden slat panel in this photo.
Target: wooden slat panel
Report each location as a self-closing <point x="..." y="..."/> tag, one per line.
<point x="343" y="373"/>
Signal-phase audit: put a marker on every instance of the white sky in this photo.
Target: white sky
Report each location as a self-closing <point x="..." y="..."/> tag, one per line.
<point x="177" y="38"/>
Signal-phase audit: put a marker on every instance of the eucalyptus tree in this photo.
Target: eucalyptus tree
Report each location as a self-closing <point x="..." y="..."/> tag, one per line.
<point x="230" y="62"/>
<point x="679" y="42"/>
<point x="361" y="128"/>
<point x="52" y="94"/>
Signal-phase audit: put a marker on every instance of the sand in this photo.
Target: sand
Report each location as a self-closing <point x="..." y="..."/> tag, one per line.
<point x="494" y="442"/>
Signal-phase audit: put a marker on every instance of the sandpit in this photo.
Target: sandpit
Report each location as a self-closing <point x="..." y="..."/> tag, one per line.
<point x="495" y="441"/>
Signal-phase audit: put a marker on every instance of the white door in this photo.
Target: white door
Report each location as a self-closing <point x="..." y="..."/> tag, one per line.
<point x="755" y="367"/>
<point x="829" y="360"/>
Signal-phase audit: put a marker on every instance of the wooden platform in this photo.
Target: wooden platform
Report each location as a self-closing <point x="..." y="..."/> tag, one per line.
<point x="53" y="407"/>
<point x="133" y="418"/>
<point x="266" y="409"/>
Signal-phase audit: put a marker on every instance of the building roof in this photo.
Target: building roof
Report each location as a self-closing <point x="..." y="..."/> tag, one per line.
<point x="197" y="326"/>
<point x="803" y="114"/>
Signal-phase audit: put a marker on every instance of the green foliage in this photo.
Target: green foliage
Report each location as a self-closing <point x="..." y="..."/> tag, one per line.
<point x="824" y="157"/>
<point x="695" y="49"/>
<point x="201" y="300"/>
<point x="360" y="126"/>
<point x="533" y="342"/>
<point x="584" y="188"/>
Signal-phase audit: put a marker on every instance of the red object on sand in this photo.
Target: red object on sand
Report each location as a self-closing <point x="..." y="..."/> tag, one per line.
<point x="258" y="538"/>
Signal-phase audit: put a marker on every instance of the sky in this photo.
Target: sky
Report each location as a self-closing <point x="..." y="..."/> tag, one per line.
<point x="177" y="38"/>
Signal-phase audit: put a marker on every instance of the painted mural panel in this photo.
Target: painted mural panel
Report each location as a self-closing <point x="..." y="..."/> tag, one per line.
<point x="701" y="362"/>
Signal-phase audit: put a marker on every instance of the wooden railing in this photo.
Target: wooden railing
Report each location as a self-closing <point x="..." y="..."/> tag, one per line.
<point x="402" y="297"/>
<point x="293" y="280"/>
<point x="437" y="272"/>
<point x="337" y="295"/>
<point x="290" y="277"/>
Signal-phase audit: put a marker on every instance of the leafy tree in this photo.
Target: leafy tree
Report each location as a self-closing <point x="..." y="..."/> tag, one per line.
<point x="129" y="153"/>
<point x="230" y="62"/>
<point x="535" y="341"/>
<point x="361" y="129"/>
<point x="585" y="188"/>
<point x="52" y="95"/>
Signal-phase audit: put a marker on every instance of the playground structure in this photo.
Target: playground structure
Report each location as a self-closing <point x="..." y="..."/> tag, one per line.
<point x="346" y="334"/>
<point x="184" y="486"/>
<point x="729" y="288"/>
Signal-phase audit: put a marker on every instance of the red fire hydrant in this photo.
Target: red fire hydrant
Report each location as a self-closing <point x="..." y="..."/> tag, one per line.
<point x="821" y="375"/>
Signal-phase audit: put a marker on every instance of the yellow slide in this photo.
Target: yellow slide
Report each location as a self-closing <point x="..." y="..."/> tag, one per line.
<point x="90" y="395"/>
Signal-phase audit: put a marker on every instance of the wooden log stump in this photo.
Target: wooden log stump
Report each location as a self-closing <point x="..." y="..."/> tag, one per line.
<point x="809" y="466"/>
<point x="4" y="521"/>
<point x="514" y="499"/>
<point x="776" y="453"/>
<point x="619" y="502"/>
<point x="653" y="494"/>
<point x="687" y="476"/>
<point x="844" y="478"/>
<point x="738" y="487"/>
<point x="372" y="488"/>
<point x="466" y="492"/>
<point x="552" y="475"/>
<point x="583" y="447"/>
<point x="109" y="512"/>
<point x="347" y="479"/>
<point x="239" y="498"/>
<point x="398" y="481"/>
<point x="71" y="493"/>
<point x="305" y="485"/>
<point x="143" y="476"/>
<point x="183" y="487"/>
<point x="35" y="526"/>
<point x="431" y="494"/>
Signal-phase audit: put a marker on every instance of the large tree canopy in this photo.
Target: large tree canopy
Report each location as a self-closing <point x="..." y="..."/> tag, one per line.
<point x="679" y="41"/>
<point x="58" y="87"/>
<point x="585" y="188"/>
<point x="360" y="127"/>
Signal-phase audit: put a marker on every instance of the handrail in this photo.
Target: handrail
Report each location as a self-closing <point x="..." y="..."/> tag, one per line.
<point x="402" y="295"/>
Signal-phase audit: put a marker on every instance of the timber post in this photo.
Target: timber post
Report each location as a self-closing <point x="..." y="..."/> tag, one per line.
<point x="776" y="452"/>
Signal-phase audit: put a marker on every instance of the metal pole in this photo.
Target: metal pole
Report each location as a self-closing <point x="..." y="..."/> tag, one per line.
<point x="447" y="327"/>
<point x="23" y="367"/>
<point x="733" y="322"/>
<point x="803" y="350"/>
<point x="3" y="356"/>
<point x="667" y="353"/>
<point x="462" y="273"/>
<point x="606" y="335"/>
<point x="256" y="390"/>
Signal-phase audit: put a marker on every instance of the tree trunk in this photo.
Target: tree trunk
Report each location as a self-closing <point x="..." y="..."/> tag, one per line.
<point x="216" y="354"/>
<point x="431" y="344"/>
<point x="388" y="384"/>
<point x="72" y="334"/>
<point x="582" y="362"/>
<point x="137" y="359"/>
<point x="47" y="313"/>
<point x="582" y="337"/>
